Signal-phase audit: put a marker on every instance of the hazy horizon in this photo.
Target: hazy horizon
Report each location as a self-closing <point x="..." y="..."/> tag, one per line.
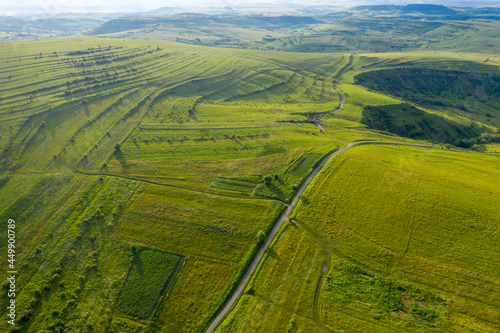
<point x="54" y="7"/>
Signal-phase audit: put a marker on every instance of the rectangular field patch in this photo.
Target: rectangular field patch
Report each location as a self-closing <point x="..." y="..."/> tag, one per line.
<point x="147" y="280"/>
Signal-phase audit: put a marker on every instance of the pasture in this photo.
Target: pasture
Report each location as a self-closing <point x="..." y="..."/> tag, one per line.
<point x="117" y="155"/>
<point x="386" y="239"/>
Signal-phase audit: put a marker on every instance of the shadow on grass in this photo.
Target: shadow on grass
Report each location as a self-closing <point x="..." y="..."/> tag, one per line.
<point x="121" y="158"/>
<point x="272" y="253"/>
<point x="276" y="191"/>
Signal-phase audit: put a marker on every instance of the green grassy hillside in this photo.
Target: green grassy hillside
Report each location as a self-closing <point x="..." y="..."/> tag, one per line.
<point x="143" y="177"/>
<point x="120" y="157"/>
<point x="387" y="239"/>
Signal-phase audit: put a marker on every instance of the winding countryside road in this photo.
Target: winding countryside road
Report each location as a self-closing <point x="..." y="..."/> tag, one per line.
<point x="237" y="293"/>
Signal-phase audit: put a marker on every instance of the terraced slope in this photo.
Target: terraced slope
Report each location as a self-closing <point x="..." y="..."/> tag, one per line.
<point x="115" y="154"/>
<point x="111" y="150"/>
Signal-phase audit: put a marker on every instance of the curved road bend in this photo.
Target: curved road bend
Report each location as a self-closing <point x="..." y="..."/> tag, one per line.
<point x="284" y="217"/>
<point x="341" y="106"/>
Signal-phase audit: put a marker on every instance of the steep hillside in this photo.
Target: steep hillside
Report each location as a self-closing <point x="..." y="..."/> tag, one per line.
<point x="473" y="95"/>
<point x="409" y="121"/>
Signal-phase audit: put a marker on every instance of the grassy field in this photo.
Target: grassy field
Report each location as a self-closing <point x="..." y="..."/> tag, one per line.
<point x="281" y="297"/>
<point x="116" y="155"/>
<point x="349" y="261"/>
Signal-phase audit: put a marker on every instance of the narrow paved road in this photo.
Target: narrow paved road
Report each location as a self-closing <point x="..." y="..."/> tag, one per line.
<point x="285" y="216"/>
